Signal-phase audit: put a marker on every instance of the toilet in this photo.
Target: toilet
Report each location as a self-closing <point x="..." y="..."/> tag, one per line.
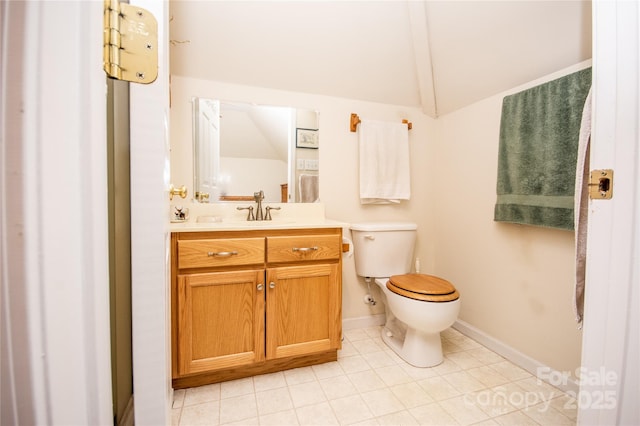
<point x="418" y="306"/>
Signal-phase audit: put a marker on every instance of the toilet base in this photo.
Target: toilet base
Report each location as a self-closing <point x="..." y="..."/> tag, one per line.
<point x="416" y="348"/>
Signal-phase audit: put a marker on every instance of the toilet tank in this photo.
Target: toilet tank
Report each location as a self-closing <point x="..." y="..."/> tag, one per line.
<point x="382" y="249"/>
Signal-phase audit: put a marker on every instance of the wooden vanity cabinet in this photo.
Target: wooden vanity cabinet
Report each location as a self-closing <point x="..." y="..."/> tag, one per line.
<point x="253" y="302"/>
<point x="221" y="320"/>
<point x="219" y="314"/>
<point x="303" y="301"/>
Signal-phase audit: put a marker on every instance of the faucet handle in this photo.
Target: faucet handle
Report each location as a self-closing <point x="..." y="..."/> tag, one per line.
<point x="250" y="215"/>
<point x="268" y="209"/>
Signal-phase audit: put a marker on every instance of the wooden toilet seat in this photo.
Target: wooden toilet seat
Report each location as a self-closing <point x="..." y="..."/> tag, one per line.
<point x="427" y="288"/>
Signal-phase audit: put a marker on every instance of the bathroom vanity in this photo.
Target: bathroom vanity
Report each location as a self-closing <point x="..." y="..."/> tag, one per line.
<point x="253" y="298"/>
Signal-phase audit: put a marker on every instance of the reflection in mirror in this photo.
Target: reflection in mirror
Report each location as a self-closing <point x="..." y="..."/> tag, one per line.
<point x="206" y="116"/>
<point x="241" y="148"/>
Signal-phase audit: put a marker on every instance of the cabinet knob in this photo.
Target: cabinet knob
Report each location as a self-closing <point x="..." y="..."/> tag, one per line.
<point x="272" y="285"/>
<point x="260" y="287"/>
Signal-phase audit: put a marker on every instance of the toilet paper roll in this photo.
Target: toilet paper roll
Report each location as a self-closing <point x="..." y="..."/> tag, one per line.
<point x="346" y="240"/>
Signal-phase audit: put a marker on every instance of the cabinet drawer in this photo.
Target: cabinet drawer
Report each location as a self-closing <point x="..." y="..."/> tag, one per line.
<point x="223" y="252"/>
<point x="302" y="248"/>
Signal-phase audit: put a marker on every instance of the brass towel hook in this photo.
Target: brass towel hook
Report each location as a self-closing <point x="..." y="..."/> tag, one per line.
<point x="353" y="124"/>
<point x="182" y="191"/>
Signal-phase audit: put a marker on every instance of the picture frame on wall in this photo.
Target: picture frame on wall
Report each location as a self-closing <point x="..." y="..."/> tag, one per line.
<point x="307" y="138"/>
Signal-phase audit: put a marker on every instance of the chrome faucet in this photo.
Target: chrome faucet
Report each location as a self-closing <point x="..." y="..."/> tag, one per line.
<point x="259" y="196"/>
<point x="250" y="215"/>
<point x="260" y="214"/>
<point x="268" y="209"/>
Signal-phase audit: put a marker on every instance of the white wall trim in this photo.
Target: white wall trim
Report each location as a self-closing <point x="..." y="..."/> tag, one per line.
<point x="515" y="356"/>
<point x="362" y="322"/>
<point x="610" y="342"/>
<point x="150" y="294"/>
<point x="58" y="213"/>
<point x="518" y="358"/>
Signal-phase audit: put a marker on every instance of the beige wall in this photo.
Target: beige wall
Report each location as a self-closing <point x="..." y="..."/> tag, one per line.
<point x="515" y="281"/>
<point x="338" y="163"/>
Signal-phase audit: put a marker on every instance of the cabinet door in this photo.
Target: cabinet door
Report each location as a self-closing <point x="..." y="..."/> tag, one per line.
<point x="220" y="320"/>
<point x="303" y="310"/>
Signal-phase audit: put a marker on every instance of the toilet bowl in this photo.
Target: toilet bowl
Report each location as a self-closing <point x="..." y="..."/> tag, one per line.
<point x="417" y="306"/>
<point x="414" y="320"/>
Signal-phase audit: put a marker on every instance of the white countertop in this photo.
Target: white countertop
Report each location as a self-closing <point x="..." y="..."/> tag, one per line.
<point x="193" y="226"/>
<point x="225" y="217"/>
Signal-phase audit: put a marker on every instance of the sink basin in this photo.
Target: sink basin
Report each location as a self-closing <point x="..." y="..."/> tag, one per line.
<point x="262" y="224"/>
<point x="209" y="219"/>
<point x="244" y="223"/>
<point x="203" y="223"/>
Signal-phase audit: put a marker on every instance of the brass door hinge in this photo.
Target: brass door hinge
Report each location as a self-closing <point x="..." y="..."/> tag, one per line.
<point x="130" y="50"/>
<point x="601" y="184"/>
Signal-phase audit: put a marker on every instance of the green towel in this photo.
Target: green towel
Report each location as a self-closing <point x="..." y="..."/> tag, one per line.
<point x="539" y="133"/>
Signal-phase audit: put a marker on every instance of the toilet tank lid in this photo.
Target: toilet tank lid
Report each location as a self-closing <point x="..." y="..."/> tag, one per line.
<point x="383" y="226"/>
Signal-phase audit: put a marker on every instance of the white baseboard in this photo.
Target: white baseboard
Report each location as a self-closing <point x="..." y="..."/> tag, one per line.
<point x="518" y="358"/>
<point x="521" y="360"/>
<point x="361" y="322"/>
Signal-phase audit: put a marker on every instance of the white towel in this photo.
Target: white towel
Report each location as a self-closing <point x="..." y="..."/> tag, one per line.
<point x="308" y="188"/>
<point x="581" y="209"/>
<point x="384" y="162"/>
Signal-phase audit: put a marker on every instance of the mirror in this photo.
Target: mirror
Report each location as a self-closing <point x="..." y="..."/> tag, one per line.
<point x="242" y="148"/>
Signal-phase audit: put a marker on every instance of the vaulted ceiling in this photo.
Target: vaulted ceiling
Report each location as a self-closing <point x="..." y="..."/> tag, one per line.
<point x="435" y="55"/>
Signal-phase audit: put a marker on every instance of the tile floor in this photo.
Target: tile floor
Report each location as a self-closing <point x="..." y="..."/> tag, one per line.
<point x="371" y="385"/>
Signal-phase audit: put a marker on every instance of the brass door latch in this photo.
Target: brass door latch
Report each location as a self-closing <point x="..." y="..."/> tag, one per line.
<point x="601" y="184"/>
<point x="182" y="191"/>
<point x="202" y="196"/>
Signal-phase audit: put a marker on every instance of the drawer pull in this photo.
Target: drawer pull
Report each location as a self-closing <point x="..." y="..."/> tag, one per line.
<point x="260" y="286"/>
<point x="272" y="285"/>
<point x="222" y="253"/>
<point x="305" y="249"/>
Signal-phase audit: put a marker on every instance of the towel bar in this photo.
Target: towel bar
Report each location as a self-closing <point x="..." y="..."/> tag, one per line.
<point x="355" y="120"/>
